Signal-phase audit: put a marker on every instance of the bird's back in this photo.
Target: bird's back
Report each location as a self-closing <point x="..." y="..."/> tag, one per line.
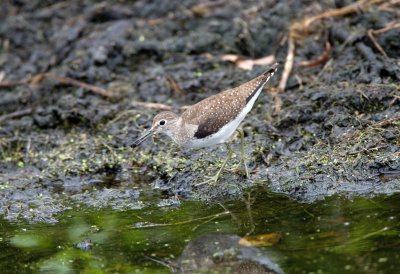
<point x="214" y="112"/>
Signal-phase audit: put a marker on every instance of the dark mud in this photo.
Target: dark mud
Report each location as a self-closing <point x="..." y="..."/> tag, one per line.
<point x="338" y="129"/>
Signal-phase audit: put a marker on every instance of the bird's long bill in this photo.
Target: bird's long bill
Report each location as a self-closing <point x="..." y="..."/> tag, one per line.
<point x="143" y="138"/>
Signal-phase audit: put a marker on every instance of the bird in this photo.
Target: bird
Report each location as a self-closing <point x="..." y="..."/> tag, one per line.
<point x="211" y="121"/>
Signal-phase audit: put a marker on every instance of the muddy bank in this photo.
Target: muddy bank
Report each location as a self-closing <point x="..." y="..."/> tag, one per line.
<point x="335" y="129"/>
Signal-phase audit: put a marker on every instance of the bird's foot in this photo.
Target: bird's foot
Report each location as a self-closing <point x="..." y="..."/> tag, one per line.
<point x="241" y="167"/>
<point x="245" y="169"/>
<point x="211" y="180"/>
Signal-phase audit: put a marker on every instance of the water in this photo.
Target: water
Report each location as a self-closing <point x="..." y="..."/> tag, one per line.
<point x="335" y="235"/>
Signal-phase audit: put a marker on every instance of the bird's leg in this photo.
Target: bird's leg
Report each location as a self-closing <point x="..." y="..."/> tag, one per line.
<point x="242" y="155"/>
<point x="242" y="164"/>
<point x="213" y="179"/>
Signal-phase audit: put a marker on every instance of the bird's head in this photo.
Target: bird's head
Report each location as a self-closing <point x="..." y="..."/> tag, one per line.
<point x="164" y="122"/>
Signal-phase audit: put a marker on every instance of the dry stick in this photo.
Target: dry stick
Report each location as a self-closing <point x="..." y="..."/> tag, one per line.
<point x="372" y="33"/>
<point x="385" y="123"/>
<point x="376" y="44"/>
<point x="10" y="84"/>
<point x="386" y="6"/>
<point x="165" y="263"/>
<point x="332" y="13"/>
<point x="187" y="221"/>
<point x="16" y="114"/>
<point x="288" y="64"/>
<point x="69" y="81"/>
<point x="363" y="237"/>
<point x="176" y="88"/>
<point x="59" y="5"/>
<point x="203" y="223"/>
<point x="395" y="98"/>
<point x="63" y="80"/>
<point x="320" y="60"/>
<point x="389" y="26"/>
<point x="204" y="9"/>
<point x="248" y="202"/>
<point x="304" y="25"/>
<point x="150" y="105"/>
<point x="233" y="216"/>
<point x="158" y="106"/>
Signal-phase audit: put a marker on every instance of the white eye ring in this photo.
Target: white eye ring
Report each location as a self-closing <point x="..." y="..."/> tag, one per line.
<point x="162" y="122"/>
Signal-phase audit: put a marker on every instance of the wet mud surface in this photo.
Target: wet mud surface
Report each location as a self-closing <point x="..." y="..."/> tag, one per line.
<point x="335" y="129"/>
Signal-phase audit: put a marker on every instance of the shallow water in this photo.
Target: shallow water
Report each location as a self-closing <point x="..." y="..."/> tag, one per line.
<point x="335" y="235"/>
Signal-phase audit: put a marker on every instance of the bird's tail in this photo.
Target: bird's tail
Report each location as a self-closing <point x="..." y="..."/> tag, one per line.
<point x="272" y="69"/>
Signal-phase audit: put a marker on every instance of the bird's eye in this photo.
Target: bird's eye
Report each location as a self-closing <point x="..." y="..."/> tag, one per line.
<point x="162" y="122"/>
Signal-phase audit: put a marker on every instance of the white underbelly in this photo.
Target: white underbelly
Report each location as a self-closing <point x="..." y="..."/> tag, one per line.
<point x="220" y="137"/>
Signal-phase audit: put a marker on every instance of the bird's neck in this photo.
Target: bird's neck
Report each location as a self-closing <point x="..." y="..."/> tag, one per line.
<point x="182" y="132"/>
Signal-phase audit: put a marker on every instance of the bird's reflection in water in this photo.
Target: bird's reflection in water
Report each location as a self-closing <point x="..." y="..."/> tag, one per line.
<point x="222" y="253"/>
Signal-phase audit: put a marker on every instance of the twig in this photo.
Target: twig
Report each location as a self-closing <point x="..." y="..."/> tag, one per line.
<point x="386" y="7"/>
<point x="233" y="216"/>
<point x="185" y="222"/>
<point x="10" y="84"/>
<point x="36" y="79"/>
<point x="15" y="114"/>
<point x="395" y="98"/>
<point x="389" y="26"/>
<point x="151" y="105"/>
<point x="165" y="263"/>
<point x="158" y="106"/>
<point x="297" y="29"/>
<point x="249" y="202"/>
<point x="203" y="9"/>
<point x="248" y="64"/>
<point x="277" y="103"/>
<point x="303" y="26"/>
<point x="206" y="221"/>
<point x="372" y="33"/>
<point x="288" y="64"/>
<point x="59" y="5"/>
<point x="69" y="81"/>
<point x="385" y="123"/>
<point x="376" y="44"/>
<point x="176" y="88"/>
<point x="363" y="237"/>
<point x="320" y="60"/>
<point x="366" y="150"/>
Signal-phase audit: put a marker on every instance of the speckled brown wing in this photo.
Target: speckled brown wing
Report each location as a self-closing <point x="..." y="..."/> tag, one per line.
<point x="212" y="113"/>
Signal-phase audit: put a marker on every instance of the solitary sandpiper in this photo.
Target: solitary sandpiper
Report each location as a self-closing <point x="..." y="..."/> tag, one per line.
<point x="213" y="120"/>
